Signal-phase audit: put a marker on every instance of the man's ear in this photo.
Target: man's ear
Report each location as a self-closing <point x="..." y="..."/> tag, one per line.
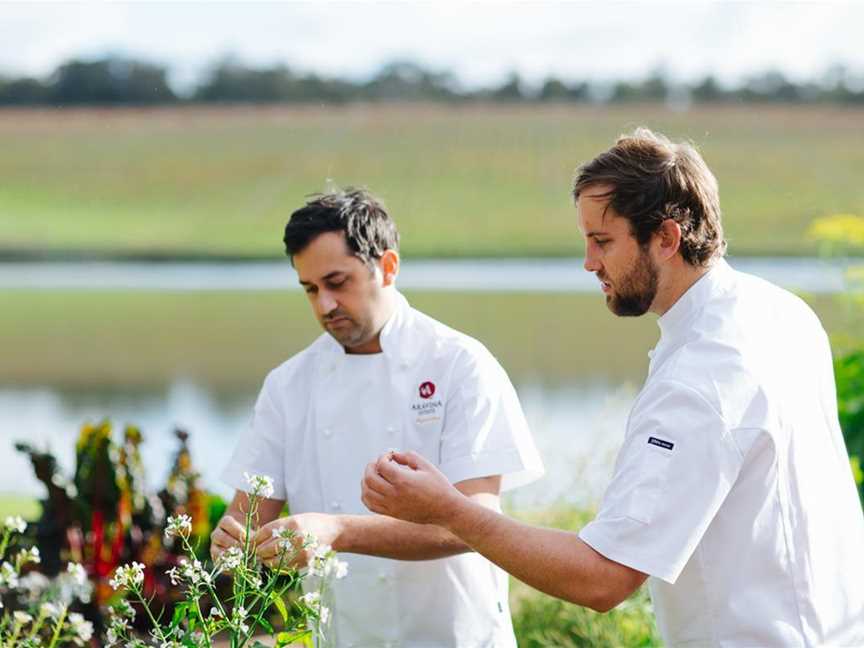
<point x="389" y="263"/>
<point x="667" y="239"/>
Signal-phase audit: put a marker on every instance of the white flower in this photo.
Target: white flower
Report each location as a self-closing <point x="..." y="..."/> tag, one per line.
<point x="77" y="572"/>
<point x="215" y="613"/>
<point x="49" y="610"/>
<point x="8" y="575"/>
<point x="193" y="572"/>
<point x="230" y="559"/>
<point x="324" y="614"/>
<point x="81" y="628"/>
<point x="180" y="525"/>
<point x="325" y="564"/>
<point x="128" y="576"/>
<point x="312" y="599"/>
<point x="21" y="618"/>
<point x="27" y="556"/>
<point x="16" y="523"/>
<point x="174" y="575"/>
<point x="261" y="485"/>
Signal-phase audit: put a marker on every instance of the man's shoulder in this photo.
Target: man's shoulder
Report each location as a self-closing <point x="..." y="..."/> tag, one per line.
<point x="447" y="340"/>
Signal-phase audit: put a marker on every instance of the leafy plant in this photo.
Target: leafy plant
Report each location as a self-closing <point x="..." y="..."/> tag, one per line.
<point x="256" y="591"/>
<point x="37" y="610"/>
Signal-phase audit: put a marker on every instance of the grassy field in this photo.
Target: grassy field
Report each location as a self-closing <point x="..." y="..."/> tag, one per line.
<point x="460" y="181"/>
<point x="229" y="340"/>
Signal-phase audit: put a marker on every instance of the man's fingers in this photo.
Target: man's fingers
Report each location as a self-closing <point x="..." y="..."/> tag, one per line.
<point x="232" y="528"/>
<point x="375" y="482"/>
<point x="375" y="502"/>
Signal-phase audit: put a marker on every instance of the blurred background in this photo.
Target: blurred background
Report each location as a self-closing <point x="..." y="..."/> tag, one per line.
<point x="150" y="154"/>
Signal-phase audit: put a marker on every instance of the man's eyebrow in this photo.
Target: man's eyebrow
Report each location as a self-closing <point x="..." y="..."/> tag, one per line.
<point x="327" y="277"/>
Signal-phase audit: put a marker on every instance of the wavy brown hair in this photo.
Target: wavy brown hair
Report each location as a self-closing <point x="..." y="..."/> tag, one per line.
<point x="653" y="179"/>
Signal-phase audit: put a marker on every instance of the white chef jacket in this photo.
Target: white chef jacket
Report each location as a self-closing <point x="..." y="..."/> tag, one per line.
<point x="733" y="488"/>
<point x="324" y="414"/>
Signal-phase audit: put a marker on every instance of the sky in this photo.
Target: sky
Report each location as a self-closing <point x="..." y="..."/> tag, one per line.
<point x="480" y="42"/>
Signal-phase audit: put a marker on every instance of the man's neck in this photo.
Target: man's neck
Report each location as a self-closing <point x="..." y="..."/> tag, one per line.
<point x="373" y="345"/>
<point x="674" y="281"/>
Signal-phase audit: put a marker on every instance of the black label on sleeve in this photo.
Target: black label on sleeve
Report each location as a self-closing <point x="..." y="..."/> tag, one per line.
<point x="660" y="443"/>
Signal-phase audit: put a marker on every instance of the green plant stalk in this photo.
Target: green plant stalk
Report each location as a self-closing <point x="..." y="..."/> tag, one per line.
<point x="37" y="625"/>
<point x="5" y="543"/>
<point x="58" y="627"/>
<point x="210" y="589"/>
<point x="146" y="606"/>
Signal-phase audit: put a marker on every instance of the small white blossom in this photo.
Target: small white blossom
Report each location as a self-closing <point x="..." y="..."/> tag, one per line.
<point x="16" y="523"/>
<point x="50" y="610"/>
<point x="77" y="572"/>
<point x="21" y="618"/>
<point x="215" y="613"/>
<point x="324" y="614"/>
<point x="180" y="526"/>
<point x="325" y="564"/>
<point x="128" y="576"/>
<point x="230" y="559"/>
<point x="81" y="628"/>
<point x="312" y="599"/>
<point x="8" y="576"/>
<point x="261" y="485"/>
<point x="193" y="572"/>
<point x="27" y="556"/>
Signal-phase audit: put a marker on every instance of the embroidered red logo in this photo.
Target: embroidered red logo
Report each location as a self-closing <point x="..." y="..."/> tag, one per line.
<point x="427" y="389"/>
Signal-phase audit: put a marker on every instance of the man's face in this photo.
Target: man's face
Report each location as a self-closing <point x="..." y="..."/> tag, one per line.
<point x="627" y="274"/>
<point x="346" y="295"/>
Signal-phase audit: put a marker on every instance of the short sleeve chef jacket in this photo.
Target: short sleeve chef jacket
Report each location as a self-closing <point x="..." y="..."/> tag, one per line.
<point x="733" y="488"/>
<point x="324" y="414"/>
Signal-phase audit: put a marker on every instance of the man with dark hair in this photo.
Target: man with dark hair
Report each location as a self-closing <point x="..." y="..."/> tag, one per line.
<point x="733" y="489"/>
<point x="383" y="375"/>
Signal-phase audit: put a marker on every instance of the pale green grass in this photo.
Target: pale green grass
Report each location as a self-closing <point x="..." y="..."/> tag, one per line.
<point x="27" y="507"/>
<point x="459" y="181"/>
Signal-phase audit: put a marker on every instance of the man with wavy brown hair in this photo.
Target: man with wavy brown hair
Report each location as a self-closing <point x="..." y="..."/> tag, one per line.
<point x="732" y="490"/>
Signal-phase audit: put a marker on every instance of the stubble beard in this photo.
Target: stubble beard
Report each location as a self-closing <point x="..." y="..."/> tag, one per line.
<point x="635" y="292"/>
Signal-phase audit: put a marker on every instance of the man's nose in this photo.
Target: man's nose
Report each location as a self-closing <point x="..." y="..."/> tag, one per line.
<point x="326" y="302"/>
<point x="591" y="264"/>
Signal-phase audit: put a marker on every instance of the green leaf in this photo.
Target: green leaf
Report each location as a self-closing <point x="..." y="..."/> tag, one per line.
<point x="280" y="605"/>
<point x="180" y="613"/>
<point x="264" y="623"/>
<point x="299" y="636"/>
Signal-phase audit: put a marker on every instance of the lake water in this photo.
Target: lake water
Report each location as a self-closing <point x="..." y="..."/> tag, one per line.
<point x="577" y="416"/>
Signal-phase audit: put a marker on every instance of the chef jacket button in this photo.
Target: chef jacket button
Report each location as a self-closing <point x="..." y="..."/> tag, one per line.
<point x="391" y="429"/>
<point x="383" y="577"/>
<point x="335" y="505"/>
<point x="328" y="433"/>
<point x="390" y="644"/>
<point x="404" y="365"/>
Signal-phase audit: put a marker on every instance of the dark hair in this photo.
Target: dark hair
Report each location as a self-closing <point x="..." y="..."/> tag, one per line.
<point x="369" y="230"/>
<point x="652" y="180"/>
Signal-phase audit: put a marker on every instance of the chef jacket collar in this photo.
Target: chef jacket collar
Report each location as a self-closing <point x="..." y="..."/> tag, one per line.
<point x="677" y="317"/>
<point x="397" y="338"/>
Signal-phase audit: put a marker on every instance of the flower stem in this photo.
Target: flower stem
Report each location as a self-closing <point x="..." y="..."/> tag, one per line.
<point x="58" y="627"/>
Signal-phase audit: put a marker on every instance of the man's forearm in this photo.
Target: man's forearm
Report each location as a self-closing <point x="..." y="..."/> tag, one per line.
<point x="556" y="562"/>
<point x="386" y="537"/>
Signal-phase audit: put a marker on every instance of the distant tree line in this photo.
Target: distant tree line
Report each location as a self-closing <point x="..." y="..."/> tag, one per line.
<point x="120" y="81"/>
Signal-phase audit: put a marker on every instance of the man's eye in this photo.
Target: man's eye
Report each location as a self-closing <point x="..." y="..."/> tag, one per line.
<point x="601" y="242"/>
<point x="337" y="284"/>
<point x="309" y="289"/>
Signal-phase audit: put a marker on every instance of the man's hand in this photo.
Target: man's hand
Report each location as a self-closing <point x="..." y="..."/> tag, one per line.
<point x="228" y="533"/>
<point x="326" y="529"/>
<point x="407" y="487"/>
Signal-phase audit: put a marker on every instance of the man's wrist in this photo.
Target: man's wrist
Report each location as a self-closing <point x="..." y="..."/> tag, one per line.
<point x="341" y="532"/>
<point x="459" y="514"/>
